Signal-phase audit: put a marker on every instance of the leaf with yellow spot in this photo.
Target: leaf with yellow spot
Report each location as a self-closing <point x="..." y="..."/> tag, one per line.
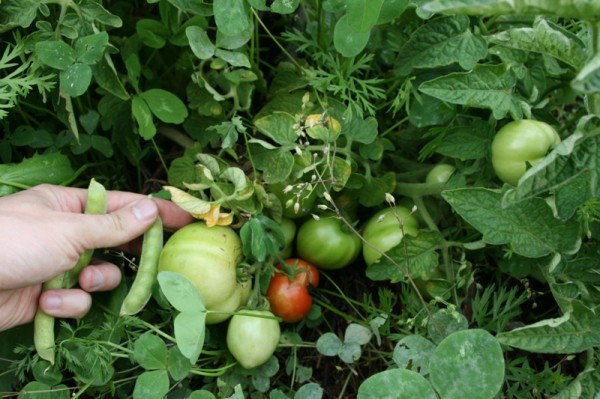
<point x="199" y="208"/>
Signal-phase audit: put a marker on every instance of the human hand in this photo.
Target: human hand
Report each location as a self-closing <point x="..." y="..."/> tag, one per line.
<point x="43" y="231"/>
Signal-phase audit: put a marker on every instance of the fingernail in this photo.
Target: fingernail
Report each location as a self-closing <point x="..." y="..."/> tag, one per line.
<point x="52" y="301"/>
<point x="144" y="209"/>
<point x="97" y="280"/>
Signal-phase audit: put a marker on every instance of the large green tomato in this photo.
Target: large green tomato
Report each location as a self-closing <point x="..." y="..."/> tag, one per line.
<point x="519" y="143"/>
<point x="326" y="243"/>
<point x="238" y="298"/>
<point x="384" y="232"/>
<point x="208" y="257"/>
<point x="252" y="337"/>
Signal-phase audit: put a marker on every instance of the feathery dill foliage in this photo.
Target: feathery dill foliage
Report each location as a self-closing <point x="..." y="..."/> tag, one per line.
<point x="346" y="79"/>
<point x="19" y="75"/>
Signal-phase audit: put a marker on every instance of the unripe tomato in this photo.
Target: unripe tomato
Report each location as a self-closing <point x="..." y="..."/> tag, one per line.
<point x="519" y="143"/>
<point x="440" y="173"/>
<point x="326" y="243"/>
<point x="238" y="298"/>
<point x="252" y="337"/>
<point x="208" y="257"/>
<point x="384" y="231"/>
<point x="289" y="233"/>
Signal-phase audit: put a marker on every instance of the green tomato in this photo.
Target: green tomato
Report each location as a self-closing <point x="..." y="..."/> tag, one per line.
<point x="208" y="257"/>
<point x="383" y="231"/>
<point x="440" y="173"/>
<point x="289" y="233"/>
<point x="326" y="243"/>
<point x="519" y="143"/>
<point x="252" y="337"/>
<point x="234" y="302"/>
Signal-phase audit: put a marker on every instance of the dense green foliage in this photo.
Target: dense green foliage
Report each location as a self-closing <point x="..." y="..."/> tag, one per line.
<point x="246" y="111"/>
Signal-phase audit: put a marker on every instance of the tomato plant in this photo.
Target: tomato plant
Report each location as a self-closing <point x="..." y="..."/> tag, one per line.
<point x="207" y="256"/>
<point x="519" y="144"/>
<point x="326" y="243"/>
<point x="288" y="291"/>
<point x="252" y="337"/>
<point x="385" y="229"/>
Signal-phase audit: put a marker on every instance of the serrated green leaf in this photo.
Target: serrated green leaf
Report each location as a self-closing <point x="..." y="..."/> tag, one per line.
<point x="465" y="142"/>
<point x="575" y="331"/>
<point x="584" y="9"/>
<point x="420" y="253"/>
<point x="546" y="38"/>
<point x="15" y="13"/>
<point x="570" y="170"/>
<point x="443" y="41"/>
<point x="486" y="86"/>
<point x="361" y="130"/>
<point x="529" y="227"/>
<point x="588" y="78"/>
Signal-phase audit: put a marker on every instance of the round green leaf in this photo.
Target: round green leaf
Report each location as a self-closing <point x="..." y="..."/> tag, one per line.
<point x="76" y="79"/>
<point x="55" y="53"/>
<point x="165" y="105"/>
<point x="150" y="352"/>
<point x="349" y="41"/>
<point x="151" y="384"/>
<point x="396" y="384"/>
<point x="445" y="322"/>
<point x="468" y="364"/>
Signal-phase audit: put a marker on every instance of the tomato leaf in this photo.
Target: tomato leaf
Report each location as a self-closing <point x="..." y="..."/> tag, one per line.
<point x="486" y="86"/>
<point x="443" y="41"/>
<point x="571" y="170"/>
<point x="261" y="237"/>
<point x="575" y="331"/>
<point x="547" y="38"/>
<point x="529" y="226"/>
<point x="420" y="253"/>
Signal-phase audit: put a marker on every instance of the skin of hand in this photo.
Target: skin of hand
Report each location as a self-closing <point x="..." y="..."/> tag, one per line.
<point x="43" y="231"/>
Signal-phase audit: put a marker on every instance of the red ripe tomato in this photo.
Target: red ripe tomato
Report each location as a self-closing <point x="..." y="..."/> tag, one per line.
<point x="301" y="269"/>
<point x="288" y="292"/>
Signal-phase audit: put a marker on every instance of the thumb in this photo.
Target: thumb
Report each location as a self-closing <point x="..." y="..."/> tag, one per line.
<point x="118" y="227"/>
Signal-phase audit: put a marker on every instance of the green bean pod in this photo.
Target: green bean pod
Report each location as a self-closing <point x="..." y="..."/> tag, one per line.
<point x="43" y="324"/>
<point x="141" y="289"/>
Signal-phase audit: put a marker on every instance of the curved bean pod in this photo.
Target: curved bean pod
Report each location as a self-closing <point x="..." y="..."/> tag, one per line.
<point x="43" y="324"/>
<point x="141" y="289"/>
